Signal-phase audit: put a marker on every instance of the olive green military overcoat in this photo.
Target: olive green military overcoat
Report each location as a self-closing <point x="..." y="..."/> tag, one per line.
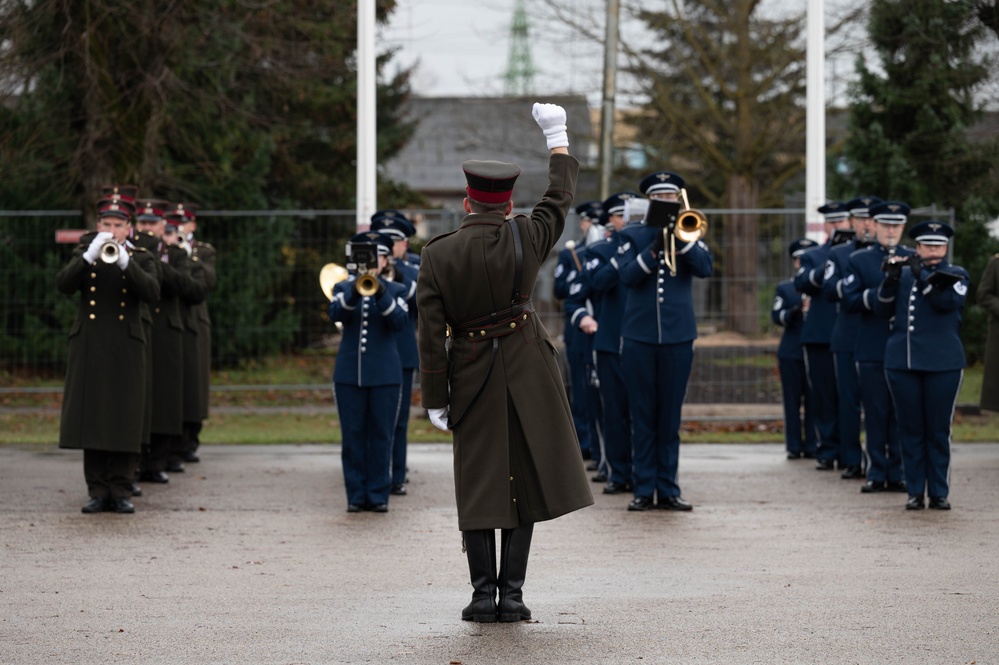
<point x="988" y="298"/>
<point x="103" y="403"/>
<point x="198" y="333"/>
<point x="516" y="456"/>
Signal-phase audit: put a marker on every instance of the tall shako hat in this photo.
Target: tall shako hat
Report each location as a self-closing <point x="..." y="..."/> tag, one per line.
<point x="799" y="247"/>
<point x="150" y="210"/>
<point x="834" y="211"/>
<point x="590" y="210"/>
<point x="860" y="206"/>
<point x="383" y="241"/>
<point x="661" y="181"/>
<point x="490" y="181"/>
<point x="117" y="201"/>
<point x="890" y="212"/>
<point x="931" y="233"/>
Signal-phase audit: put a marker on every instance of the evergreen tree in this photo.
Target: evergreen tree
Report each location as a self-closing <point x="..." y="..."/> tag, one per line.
<point x="910" y="116"/>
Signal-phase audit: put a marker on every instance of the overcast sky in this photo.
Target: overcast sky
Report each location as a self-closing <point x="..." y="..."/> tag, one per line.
<point x="462" y="47"/>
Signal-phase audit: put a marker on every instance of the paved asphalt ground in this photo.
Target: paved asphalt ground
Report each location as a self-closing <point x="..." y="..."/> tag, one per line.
<point x="250" y="557"/>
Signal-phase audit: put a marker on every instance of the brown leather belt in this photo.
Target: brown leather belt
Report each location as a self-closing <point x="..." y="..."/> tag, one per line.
<point x="496" y="324"/>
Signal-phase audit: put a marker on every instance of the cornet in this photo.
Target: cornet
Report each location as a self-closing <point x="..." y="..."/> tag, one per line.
<point x="110" y="252"/>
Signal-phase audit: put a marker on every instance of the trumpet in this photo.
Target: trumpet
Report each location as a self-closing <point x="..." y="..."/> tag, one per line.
<point x="691" y="225"/>
<point x="110" y="252"/>
<point x="366" y="284"/>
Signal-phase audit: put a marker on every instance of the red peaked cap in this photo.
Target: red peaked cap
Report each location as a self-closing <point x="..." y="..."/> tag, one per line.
<point x="490" y="181"/>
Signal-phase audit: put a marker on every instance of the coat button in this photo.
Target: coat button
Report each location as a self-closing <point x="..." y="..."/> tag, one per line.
<point x="93" y="288"/>
<point x="525" y="317"/>
<point x="511" y="478"/>
<point x="92" y="303"/>
<point x="92" y="317"/>
<point x="515" y="499"/>
<point x="123" y="304"/>
<point x="513" y="324"/>
<point x="471" y="334"/>
<point x="121" y="317"/>
<point x="157" y="310"/>
<point x="93" y="275"/>
<point x="482" y="333"/>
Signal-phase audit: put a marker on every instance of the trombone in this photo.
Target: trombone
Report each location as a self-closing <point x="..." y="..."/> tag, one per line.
<point x="691" y="225"/>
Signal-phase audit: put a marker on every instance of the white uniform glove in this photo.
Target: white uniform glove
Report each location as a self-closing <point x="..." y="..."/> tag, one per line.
<point x="439" y="417"/>
<point x="122" y="257"/>
<point x="94" y="250"/>
<point x="551" y="119"/>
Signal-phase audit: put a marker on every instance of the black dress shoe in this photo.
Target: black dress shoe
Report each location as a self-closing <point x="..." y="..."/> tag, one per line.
<point x="175" y="467"/>
<point x="154" y="477"/>
<point x="136" y="490"/>
<point x="122" y="505"/>
<point x="914" y="503"/>
<point x="640" y="503"/>
<point x="895" y="486"/>
<point x="673" y="503"/>
<point x="594" y="465"/>
<point x="354" y="508"/>
<point x="379" y="508"/>
<point x="398" y="490"/>
<point x="191" y="457"/>
<point x="852" y="473"/>
<point x="586" y="454"/>
<point x="600" y="477"/>
<point x="98" y="504"/>
<point x="793" y="455"/>
<point x="939" y="503"/>
<point x="872" y="487"/>
<point x="617" y="488"/>
<point x="825" y="465"/>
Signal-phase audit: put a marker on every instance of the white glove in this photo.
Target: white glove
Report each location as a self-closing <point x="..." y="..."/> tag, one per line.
<point x="122" y="257"/>
<point x="95" y="246"/>
<point x="439" y="418"/>
<point x="551" y="119"/>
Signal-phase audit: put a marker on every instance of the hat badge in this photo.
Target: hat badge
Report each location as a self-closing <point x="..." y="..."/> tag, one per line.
<point x="935" y="227"/>
<point x="625" y="197"/>
<point x="663" y="177"/>
<point x="894" y="208"/>
<point x="867" y="200"/>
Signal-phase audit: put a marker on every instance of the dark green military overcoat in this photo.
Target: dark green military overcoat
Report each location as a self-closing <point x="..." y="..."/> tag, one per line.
<point x="988" y="298"/>
<point x="516" y="456"/>
<point x="198" y="335"/>
<point x="104" y="399"/>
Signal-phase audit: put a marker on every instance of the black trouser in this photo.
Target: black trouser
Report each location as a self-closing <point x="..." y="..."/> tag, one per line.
<point x="109" y="474"/>
<point x="191" y="440"/>
<point x="155" y="456"/>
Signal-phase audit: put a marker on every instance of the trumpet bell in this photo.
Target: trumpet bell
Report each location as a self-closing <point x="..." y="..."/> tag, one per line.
<point x="366" y="284"/>
<point x="110" y="252"/>
<point x="691" y="225"/>
<point x="331" y="275"/>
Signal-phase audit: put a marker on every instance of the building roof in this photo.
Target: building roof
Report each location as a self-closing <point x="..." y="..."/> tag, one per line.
<point x="451" y="130"/>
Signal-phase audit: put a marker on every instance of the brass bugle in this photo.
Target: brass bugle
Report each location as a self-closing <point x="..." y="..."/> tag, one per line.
<point x="109" y="252"/>
<point x="366" y="284"/>
<point x="331" y="275"/>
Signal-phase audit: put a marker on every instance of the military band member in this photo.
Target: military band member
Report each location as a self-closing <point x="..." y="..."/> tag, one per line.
<point x="403" y="272"/>
<point x="860" y="289"/>
<point x="198" y="342"/>
<point x="924" y="359"/>
<point x="816" y="335"/>
<point x="789" y="313"/>
<point x="577" y="345"/>
<point x="496" y="383"/>
<point x="177" y="282"/>
<point x="657" y="349"/>
<point x="104" y="400"/>
<point x="844" y="336"/>
<point x="368" y="373"/>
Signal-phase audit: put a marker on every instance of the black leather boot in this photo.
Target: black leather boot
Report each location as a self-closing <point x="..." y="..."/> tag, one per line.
<point x="515" y="547"/>
<point x="480" y="547"/>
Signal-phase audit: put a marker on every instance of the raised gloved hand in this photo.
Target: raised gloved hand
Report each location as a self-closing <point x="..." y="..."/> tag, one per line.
<point x="381" y="288"/>
<point x="893" y="269"/>
<point x="916" y="266"/>
<point x="94" y="250"/>
<point x="551" y="119"/>
<point x="439" y="417"/>
<point x="122" y="257"/>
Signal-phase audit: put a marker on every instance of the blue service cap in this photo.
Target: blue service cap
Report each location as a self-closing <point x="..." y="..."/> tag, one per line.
<point x="614" y="204"/>
<point x="890" y="212"/>
<point x="799" y="247"/>
<point x="383" y="241"/>
<point x="834" y="211"/>
<point x="931" y="233"/>
<point x="661" y="181"/>
<point x="397" y="228"/>
<point x="861" y="206"/>
<point x="590" y="210"/>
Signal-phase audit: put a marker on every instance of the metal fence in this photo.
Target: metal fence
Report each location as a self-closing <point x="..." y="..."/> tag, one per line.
<point x="268" y="299"/>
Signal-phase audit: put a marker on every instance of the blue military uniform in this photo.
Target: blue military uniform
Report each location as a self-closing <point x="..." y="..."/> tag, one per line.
<point x="884" y="462"/>
<point x="787" y="313"/>
<point x="405" y="273"/>
<point x="816" y="336"/>
<point x="843" y="342"/>
<point x="924" y="362"/>
<point x="578" y="347"/>
<point x="599" y="283"/>
<point x="657" y="349"/>
<point x="366" y="382"/>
